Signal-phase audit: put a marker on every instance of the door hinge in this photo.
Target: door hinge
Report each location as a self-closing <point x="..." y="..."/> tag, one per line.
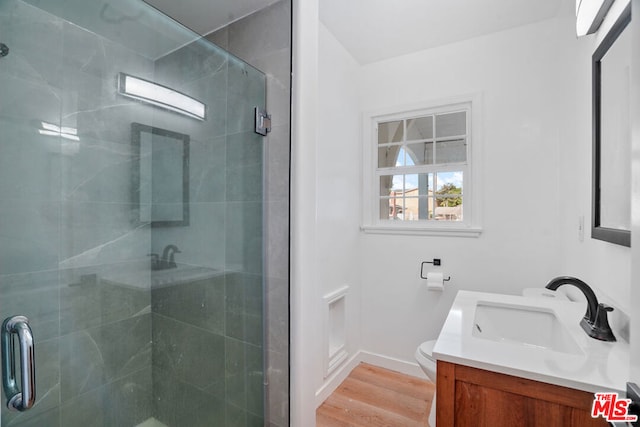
<point x="263" y="121"/>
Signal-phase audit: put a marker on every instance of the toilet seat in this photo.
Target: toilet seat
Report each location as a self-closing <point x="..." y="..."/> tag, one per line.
<point x="424" y="356"/>
<point x="426" y="349"/>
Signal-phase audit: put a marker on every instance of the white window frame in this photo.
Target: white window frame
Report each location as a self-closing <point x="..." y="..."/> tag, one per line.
<point x="470" y="226"/>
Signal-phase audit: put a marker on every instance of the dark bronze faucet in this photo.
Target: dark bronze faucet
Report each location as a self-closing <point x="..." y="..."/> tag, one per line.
<point x="594" y="322"/>
<point x="168" y="257"/>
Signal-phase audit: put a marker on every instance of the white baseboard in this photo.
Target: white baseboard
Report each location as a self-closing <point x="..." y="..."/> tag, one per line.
<point x="393" y="364"/>
<point x="342" y="372"/>
<point x="336" y="378"/>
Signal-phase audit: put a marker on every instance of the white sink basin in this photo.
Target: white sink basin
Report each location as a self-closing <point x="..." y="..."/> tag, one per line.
<point x="183" y="273"/>
<point x="531" y="337"/>
<point x="139" y="275"/>
<point x="523" y="325"/>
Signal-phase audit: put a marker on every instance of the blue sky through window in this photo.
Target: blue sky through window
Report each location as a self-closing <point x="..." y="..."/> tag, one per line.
<point x="444" y="178"/>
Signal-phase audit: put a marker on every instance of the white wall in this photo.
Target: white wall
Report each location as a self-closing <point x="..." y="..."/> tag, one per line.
<point x="536" y="136"/>
<point x="338" y="180"/>
<point x="601" y="264"/>
<point x="635" y="201"/>
<point x="325" y="180"/>
<point x="305" y="325"/>
<point x="517" y="74"/>
<point x="325" y="213"/>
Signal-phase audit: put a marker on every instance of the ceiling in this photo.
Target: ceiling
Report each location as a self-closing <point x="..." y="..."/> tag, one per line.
<point x="205" y="16"/>
<point x="374" y="30"/>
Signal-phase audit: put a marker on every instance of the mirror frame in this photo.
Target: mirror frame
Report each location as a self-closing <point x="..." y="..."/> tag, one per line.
<point x="136" y="131"/>
<point x="612" y="235"/>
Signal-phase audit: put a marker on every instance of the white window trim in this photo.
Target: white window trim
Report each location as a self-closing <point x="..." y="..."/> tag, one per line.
<point x="471" y="226"/>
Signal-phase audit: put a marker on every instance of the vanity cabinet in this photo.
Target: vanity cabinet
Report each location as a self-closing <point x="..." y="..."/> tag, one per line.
<point x="476" y="397"/>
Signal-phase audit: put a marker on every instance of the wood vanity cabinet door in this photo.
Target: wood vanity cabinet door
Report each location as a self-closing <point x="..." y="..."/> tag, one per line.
<point x="475" y="397"/>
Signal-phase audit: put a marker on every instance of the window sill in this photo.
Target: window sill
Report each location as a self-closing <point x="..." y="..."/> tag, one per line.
<point x="423" y="231"/>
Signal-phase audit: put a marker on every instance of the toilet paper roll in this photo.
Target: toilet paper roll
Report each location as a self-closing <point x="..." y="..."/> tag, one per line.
<point x="435" y="281"/>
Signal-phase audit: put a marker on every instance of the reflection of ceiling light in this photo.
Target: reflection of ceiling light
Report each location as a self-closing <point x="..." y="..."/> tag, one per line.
<point x="55" y="130"/>
<point x="590" y="14"/>
<point x="162" y="96"/>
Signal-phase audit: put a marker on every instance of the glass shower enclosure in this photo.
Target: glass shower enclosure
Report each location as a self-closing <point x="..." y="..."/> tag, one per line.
<point x="130" y="221"/>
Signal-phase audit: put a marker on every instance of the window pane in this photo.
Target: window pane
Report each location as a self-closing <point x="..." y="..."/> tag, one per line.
<point x="451" y="124"/>
<point x="406" y="208"/>
<point x="449" y="182"/>
<point x="417" y="184"/>
<point x="420" y="128"/>
<point x="395" y="211"/>
<point x="390" y="208"/>
<point x="403" y="159"/>
<point x="421" y="153"/>
<point x="390" y="132"/>
<point x="390" y="156"/>
<point x="394" y="206"/>
<point x="448" y="209"/>
<point x="406" y="197"/>
<point x="391" y="185"/>
<point x="451" y="151"/>
<point x="411" y="209"/>
<point x="411" y="185"/>
<point x="448" y="203"/>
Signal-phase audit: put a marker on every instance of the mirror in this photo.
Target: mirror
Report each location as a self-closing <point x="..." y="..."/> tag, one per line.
<point x="160" y="176"/>
<point x="611" y="216"/>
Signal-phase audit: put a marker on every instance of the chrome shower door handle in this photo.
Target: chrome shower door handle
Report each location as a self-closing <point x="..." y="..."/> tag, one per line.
<point x="18" y="399"/>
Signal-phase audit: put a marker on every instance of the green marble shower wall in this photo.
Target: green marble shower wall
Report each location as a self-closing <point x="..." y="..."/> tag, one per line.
<point x="114" y="346"/>
<point x="208" y="334"/>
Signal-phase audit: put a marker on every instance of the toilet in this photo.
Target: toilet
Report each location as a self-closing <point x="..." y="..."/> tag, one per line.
<point x="424" y="356"/>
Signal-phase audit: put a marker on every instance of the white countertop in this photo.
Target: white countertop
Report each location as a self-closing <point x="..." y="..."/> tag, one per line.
<point x="141" y="276"/>
<point x="600" y="366"/>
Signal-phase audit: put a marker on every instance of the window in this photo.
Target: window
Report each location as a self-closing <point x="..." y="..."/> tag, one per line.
<point x="421" y="176"/>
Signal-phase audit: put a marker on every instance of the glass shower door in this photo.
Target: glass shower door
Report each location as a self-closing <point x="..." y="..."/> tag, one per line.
<point x="130" y="233"/>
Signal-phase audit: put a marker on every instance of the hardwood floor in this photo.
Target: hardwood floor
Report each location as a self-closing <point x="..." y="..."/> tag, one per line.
<point x="373" y="396"/>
